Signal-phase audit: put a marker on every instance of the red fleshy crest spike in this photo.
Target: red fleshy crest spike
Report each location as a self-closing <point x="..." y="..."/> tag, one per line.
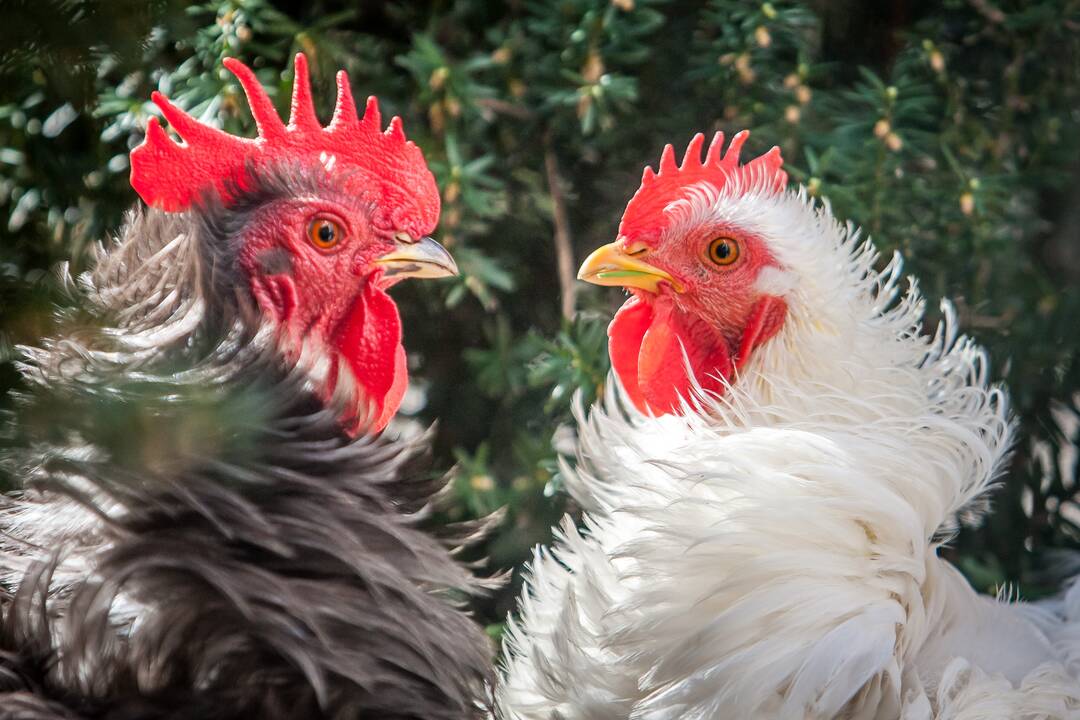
<point x="692" y="156"/>
<point x="667" y="160"/>
<point x="267" y="121"/>
<point x="645" y="218"/>
<point x="712" y="156"/>
<point x="155" y="134"/>
<point x="345" y="107"/>
<point x="372" y="117"/>
<point x="189" y="129"/>
<point x="302" y="114"/>
<point x="771" y="164"/>
<point x="382" y="170"/>
<point x="731" y="157"/>
<point x="396" y="131"/>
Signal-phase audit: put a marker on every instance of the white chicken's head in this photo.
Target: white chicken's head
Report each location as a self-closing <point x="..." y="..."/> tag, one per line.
<point x="714" y="253"/>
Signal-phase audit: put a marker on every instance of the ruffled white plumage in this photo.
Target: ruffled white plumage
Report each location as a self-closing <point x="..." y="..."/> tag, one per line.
<point x="773" y="552"/>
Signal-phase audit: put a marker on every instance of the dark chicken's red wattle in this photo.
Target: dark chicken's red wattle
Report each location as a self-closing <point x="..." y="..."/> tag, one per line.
<point x="370" y="341"/>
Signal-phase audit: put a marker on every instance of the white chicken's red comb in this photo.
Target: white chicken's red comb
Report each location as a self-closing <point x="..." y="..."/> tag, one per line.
<point x="644" y="218"/>
<point x="384" y="167"/>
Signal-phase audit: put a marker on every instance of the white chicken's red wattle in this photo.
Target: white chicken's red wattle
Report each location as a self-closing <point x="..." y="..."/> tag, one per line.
<point x="658" y="353"/>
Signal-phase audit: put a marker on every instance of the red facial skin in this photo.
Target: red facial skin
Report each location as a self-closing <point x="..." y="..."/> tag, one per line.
<point x="717" y="320"/>
<point x="334" y="297"/>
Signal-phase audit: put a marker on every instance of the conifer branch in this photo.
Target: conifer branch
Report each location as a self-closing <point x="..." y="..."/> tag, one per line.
<point x="564" y="246"/>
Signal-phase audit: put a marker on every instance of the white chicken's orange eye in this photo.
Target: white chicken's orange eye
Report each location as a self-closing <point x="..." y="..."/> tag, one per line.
<point x="724" y="250"/>
<point x="324" y="233"/>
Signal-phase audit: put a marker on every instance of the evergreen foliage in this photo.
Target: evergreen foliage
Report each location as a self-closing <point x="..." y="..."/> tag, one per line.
<point x="950" y="131"/>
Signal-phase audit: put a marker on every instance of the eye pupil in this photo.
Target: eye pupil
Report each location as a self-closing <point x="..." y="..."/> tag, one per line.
<point x="326" y="233"/>
<point x="723" y="251"/>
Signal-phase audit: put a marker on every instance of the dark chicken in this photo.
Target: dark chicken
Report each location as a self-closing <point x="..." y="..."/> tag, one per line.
<point x="208" y="525"/>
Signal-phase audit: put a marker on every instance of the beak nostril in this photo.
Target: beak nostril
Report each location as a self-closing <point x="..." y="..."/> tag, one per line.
<point x="405" y="238"/>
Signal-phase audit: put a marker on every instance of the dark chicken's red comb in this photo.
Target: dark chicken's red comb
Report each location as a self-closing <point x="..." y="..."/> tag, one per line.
<point x="644" y="219"/>
<point x="384" y="167"/>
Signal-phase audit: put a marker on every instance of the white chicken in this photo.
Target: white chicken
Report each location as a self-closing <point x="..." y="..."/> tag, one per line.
<point x="768" y="487"/>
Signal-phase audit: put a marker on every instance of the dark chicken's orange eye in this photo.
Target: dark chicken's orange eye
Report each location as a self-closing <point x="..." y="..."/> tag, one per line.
<point x="324" y="233"/>
<point x="724" y="250"/>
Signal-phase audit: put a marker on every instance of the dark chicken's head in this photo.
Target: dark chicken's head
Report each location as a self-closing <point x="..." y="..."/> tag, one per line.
<point x="702" y="278"/>
<point x="333" y="217"/>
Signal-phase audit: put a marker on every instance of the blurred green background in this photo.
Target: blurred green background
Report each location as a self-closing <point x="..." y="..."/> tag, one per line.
<point x="949" y="130"/>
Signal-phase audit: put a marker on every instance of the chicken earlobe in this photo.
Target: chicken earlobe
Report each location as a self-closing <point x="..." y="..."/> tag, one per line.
<point x="276" y="295"/>
<point x="766" y="319"/>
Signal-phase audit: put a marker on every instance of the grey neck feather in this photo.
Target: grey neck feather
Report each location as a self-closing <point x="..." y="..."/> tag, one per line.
<point x="196" y="537"/>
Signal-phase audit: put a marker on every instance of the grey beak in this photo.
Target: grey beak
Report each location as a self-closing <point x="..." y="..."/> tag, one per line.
<point x="423" y="258"/>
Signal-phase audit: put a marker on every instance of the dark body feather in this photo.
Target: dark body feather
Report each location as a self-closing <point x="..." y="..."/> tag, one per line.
<point x="196" y="537"/>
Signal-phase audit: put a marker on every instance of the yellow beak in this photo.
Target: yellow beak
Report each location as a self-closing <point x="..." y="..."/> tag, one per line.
<point x="611" y="265"/>
<point x="423" y="258"/>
